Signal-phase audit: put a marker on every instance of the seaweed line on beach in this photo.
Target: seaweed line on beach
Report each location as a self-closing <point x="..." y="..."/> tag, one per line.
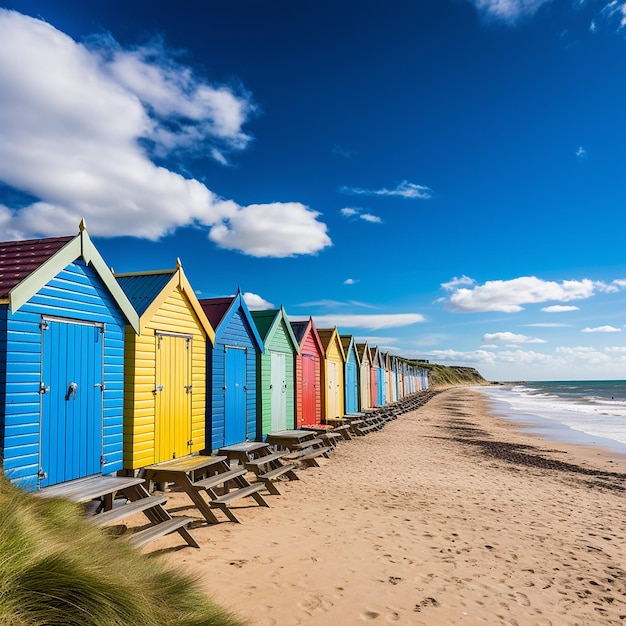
<point x="527" y="455"/>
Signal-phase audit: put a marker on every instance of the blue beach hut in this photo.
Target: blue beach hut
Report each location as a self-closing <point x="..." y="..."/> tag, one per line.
<point x="62" y="319"/>
<point x="231" y="372"/>
<point x="351" y="380"/>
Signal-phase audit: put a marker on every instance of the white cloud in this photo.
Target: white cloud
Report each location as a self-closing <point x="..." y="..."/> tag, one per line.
<point x="560" y="308"/>
<point x="368" y="217"/>
<point x="79" y="122"/>
<point x="372" y="322"/>
<point x="457" y="283"/>
<point x="358" y="213"/>
<point x="616" y="349"/>
<point x="507" y="296"/>
<point x="350" y="281"/>
<point x="280" y="229"/>
<point x="404" y="190"/>
<point x="619" y="282"/>
<point x="508" y="10"/>
<point x="615" y="8"/>
<point x="256" y="303"/>
<point x="581" y="153"/>
<point x="602" y="329"/>
<point x="510" y="338"/>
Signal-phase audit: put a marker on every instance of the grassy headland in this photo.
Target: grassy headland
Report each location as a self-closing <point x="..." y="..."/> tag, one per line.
<point x="440" y="376"/>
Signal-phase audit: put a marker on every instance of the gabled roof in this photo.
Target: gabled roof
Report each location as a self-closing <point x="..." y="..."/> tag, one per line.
<point x="300" y="331"/>
<point x="375" y="356"/>
<point x="328" y="335"/>
<point x="26" y="266"/>
<point x="347" y="342"/>
<point x="147" y="292"/>
<point x="143" y="288"/>
<point x="363" y="349"/>
<point x="267" y="323"/>
<point x="19" y="259"/>
<point x="220" y="311"/>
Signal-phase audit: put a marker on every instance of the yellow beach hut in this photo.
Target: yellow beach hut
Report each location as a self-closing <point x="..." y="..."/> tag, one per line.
<point x="333" y="384"/>
<point x="164" y="369"/>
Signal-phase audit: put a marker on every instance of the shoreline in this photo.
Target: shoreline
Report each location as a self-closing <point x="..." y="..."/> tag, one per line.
<point x="449" y="515"/>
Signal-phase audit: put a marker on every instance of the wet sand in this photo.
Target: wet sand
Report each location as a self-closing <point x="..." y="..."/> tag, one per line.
<point x="449" y="515"/>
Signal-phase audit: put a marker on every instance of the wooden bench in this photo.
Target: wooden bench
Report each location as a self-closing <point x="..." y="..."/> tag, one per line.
<point x="223" y="502"/>
<point x="264" y="460"/>
<point x="307" y="455"/>
<point x="219" y="479"/>
<point x="138" y="501"/>
<point x="343" y="431"/>
<point x="151" y="533"/>
<point x="125" y="510"/>
<point x="269" y="477"/>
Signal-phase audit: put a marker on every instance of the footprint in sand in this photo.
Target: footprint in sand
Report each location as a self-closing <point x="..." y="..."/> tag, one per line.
<point x="368" y="616"/>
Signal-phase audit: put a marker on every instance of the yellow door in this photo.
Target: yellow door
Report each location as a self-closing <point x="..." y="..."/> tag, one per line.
<point x="172" y="420"/>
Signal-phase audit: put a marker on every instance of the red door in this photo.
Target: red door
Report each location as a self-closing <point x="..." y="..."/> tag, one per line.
<point x="308" y="389"/>
<point x="374" y="386"/>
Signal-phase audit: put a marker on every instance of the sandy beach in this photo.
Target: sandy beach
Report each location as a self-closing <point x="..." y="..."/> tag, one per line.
<point x="449" y="515"/>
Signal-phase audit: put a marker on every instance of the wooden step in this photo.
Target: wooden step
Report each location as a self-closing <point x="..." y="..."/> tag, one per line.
<point x="308" y="443"/>
<point x="279" y="471"/>
<point x="235" y="494"/>
<point x="269" y="477"/>
<point x="151" y="533"/>
<point x="262" y="460"/>
<point x="126" y="510"/>
<point x="219" y="479"/>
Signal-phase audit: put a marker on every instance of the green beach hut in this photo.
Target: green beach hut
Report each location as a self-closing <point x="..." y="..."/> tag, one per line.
<point x="275" y="372"/>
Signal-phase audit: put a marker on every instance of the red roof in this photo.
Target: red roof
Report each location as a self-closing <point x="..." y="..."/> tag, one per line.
<point x="19" y="259"/>
<point x="215" y="309"/>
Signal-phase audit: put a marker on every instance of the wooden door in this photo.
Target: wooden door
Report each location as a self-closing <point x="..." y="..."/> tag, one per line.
<point x="278" y="388"/>
<point x="173" y="393"/>
<point x="309" y="392"/>
<point x="332" y="388"/>
<point x="351" y="388"/>
<point x="374" y="386"/>
<point x="234" y="395"/>
<point x="71" y="436"/>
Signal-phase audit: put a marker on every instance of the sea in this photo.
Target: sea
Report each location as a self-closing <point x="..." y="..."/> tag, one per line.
<point x="591" y="413"/>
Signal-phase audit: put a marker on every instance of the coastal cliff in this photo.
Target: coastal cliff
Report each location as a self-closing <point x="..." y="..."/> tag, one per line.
<point x="440" y="376"/>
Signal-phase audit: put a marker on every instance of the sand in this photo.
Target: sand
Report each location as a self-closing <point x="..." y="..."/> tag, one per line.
<point x="449" y="515"/>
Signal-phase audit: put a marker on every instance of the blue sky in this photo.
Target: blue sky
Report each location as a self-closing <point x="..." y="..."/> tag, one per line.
<point x="441" y="177"/>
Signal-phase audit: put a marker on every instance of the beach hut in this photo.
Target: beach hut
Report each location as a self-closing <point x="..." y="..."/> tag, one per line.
<point x="351" y="374"/>
<point x="62" y="319"/>
<point x="365" y="378"/>
<point x="276" y="378"/>
<point x="380" y="377"/>
<point x="374" y="360"/>
<point x="309" y="366"/>
<point x="231" y="372"/>
<point x="333" y="385"/>
<point x="164" y="368"/>
<point x="389" y="383"/>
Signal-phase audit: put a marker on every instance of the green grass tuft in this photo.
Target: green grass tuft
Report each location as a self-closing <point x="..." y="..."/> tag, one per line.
<point x="57" y="569"/>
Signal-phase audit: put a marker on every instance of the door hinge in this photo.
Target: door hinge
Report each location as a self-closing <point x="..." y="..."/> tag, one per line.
<point x="158" y="388"/>
<point x="43" y="388"/>
<point x="43" y="325"/>
<point x="188" y="388"/>
<point x="41" y="475"/>
<point x="190" y="442"/>
<point x="103" y="460"/>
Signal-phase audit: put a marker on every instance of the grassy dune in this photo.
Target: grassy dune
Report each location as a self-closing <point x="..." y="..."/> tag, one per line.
<point x="56" y="569"/>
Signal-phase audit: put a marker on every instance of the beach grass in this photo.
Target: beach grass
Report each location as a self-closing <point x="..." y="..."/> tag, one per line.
<point x="55" y="568"/>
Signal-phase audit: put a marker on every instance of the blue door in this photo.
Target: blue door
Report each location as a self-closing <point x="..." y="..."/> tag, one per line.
<point x="71" y="388"/>
<point x="382" y="393"/>
<point x="351" y="389"/>
<point x="234" y="395"/>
